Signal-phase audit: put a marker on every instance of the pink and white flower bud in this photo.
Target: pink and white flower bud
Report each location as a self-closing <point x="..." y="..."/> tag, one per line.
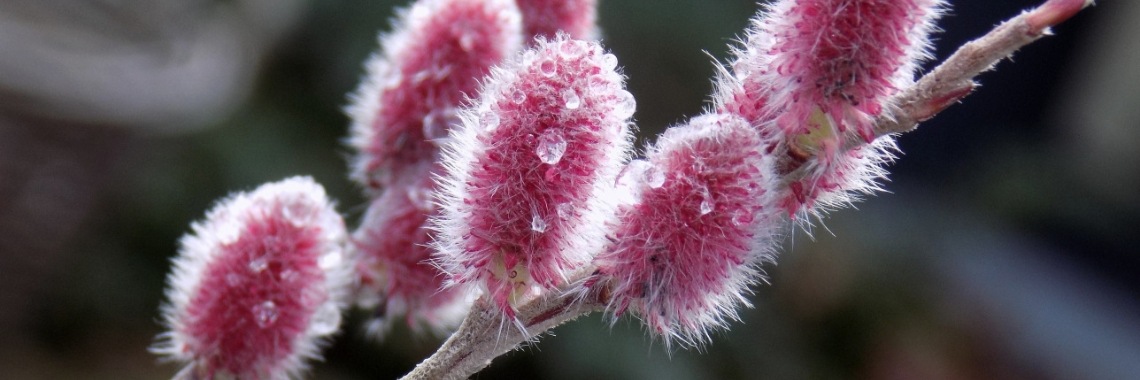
<point x="435" y="57"/>
<point x="681" y="257"/>
<point x="396" y="275"/>
<point x="545" y="18"/>
<point x="814" y="70"/>
<point x="258" y="284"/>
<point x="835" y="62"/>
<point x="530" y="171"/>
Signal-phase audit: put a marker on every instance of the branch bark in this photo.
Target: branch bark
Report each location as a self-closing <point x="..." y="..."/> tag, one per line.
<point x="486" y="333"/>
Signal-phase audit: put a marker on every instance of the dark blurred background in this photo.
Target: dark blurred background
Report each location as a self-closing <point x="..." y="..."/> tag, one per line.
<point x="1005" y="248"/>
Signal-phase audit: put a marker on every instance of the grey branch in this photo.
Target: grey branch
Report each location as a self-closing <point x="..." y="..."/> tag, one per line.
<point x="486" y="333"/>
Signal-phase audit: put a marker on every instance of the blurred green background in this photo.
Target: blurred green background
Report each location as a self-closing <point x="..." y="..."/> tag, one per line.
<point x="1005" y="248"/>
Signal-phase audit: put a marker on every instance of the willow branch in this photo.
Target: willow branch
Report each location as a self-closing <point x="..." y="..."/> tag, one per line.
<point x="485" y="334"/>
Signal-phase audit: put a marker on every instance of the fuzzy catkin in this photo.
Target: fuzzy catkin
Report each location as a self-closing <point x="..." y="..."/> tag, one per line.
<point x="682" y="255"/>
<point x="435" y="57"/>
<point x="258" y="284"/>
<point x="811" y="71"/>
<point x="528" y="172"/>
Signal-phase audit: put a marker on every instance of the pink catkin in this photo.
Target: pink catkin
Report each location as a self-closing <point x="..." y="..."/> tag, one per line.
<point x="813" y="70"/>
<point x="545" y="18"/>
<point x="843" y="58"/>
<point x="397" y="278"/>
<point x="682" y="255"/>
<point x="435" y="58"/>
<point x="436" y="55"/>
<point x="524" y="196"/>
<point x="258" y="284"/>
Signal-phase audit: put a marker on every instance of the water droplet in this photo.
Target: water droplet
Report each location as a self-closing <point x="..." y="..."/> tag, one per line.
<point x="421" y="76"/>
<point x="288" y="275"/>
<point x="490" y="121"/>
<point x="330" y="260"/>
<point x="467" y="42"/>
<point x="629" y="180"/>
<point x="265" y="313"/>
<point x="654" y="177"/>
<point x="326" y="320"/>
<point x="571" y="98"/>
<point x="288" y="212"/>
<point x="706" y="201"/>
<point x="570" y="50"/>
<point x="258" y="264"/>
<point x="626" y="104"/>
<point x="537" y="223"/>
<point x="609" y="62"/>
<point x="518" y="97"/>
<point x="420" y="197"/>
<point x="547" y="67"/>
<point x="435" y="126"/>
<point x="565" y="210"/>
<point x="551" y="147"/>
<point x="294" y="214"/>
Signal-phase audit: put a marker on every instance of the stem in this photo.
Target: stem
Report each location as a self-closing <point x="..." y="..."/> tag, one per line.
<point x="486" y="334"/>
